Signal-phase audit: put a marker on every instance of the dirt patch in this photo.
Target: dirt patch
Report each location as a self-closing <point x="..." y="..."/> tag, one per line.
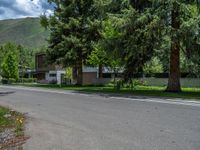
<point x="12" y="135"/>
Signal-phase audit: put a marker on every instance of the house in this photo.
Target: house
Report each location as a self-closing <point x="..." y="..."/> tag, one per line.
<point x="51" y="73"/>
<point x="48" y="73"/>
<point x="90" y="75"/>
<point x="25" y="72"/>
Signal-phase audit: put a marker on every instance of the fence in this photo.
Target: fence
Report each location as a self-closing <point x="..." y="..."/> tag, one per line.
<point x="185" y="82"/>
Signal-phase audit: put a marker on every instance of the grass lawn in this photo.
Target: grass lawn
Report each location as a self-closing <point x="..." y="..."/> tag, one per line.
<point x="187" y="93"/>
<point x="11" y="127"/>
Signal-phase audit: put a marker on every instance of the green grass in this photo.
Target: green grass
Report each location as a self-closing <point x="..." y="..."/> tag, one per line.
<point x="11" y="119"/>
<point x="187" y="93"/>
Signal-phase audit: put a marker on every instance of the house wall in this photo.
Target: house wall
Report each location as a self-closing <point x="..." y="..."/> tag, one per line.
<point x="51" y="79"/>
<point x="42" y="65"/>
<point x="59" y="76"/>
<point x="89" y="77"/>
<point x="51" y="73"/>
<point x="41" y="76"/>
<point x="40" y="62"/>
<point x="90" y="69"/>
<point x="54" y="76"/>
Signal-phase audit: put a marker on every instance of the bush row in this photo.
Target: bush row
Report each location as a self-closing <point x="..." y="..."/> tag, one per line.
<point x="20" y="80"/>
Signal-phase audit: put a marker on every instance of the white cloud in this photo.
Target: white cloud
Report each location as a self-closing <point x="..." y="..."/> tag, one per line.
<point x="23" y="8"/>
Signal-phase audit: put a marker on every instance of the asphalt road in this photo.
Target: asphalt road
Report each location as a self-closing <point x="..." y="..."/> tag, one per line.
<point x="60" y="120"/>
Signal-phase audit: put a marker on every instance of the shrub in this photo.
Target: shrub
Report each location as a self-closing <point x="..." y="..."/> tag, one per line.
<point x="4" y="81"/>
<point x="11" y="80"/>
<point x="8" y="81"/>
<point x="118" y="85"/>
<point x="139" y="83"/>
<point x="27" y="80"/>
<point x="53" y="82"/>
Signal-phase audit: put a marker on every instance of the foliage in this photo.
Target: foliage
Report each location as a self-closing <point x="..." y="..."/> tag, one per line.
<point x="24" y="57"/>
<point x="11" y="119"/>
<point x="9" y="63"/>
<point x="132" y="36"/>
<point x="68" y="73"/>
<point x="74" y="26"/>
<point x="191" y="39"/>
<point x="98" y="56"/>
<point x="10" y="66"/>
<point x="74" y="30"/>
<point x="26" y="80"/>
<point x="191" y="65"/>
<point x="111" y="43"/>
<point x="147" y="26"/>
<point x="135" y="37"/>
<point x="176" y="16"/>
<point x="2" y="55"/>
<point x="153" y="66"/>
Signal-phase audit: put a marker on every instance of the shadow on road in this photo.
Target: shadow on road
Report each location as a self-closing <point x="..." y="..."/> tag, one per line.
<point x="120" y="95"/>
<point x="6" y="93"/>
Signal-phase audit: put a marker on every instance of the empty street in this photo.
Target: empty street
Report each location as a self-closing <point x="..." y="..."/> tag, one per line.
<point x="61" y="120"/>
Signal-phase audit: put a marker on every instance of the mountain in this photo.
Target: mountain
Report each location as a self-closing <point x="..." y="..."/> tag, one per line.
<point x="27" y="32"/>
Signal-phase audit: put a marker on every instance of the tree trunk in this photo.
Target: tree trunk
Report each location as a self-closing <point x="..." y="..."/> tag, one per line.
<point x="75" y="73"/>
<point x="100" y="71"/>
<point x="174" y="71"/>
<point x="80" y="72"/>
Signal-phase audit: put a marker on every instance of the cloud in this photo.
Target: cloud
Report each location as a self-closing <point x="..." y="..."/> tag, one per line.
<point x="46" y="5"/>
<point x="10" y="9"/>
<point x="1" y="11"/>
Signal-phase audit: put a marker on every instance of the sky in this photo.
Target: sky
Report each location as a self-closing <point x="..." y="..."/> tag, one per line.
<point x="11" y="9"/>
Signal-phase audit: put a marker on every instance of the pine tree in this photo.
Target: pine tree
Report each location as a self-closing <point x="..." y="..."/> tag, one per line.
<point x="174" y="14"/>
<point x="146" y="25"/>
<point x="138" y="34"/>
<point x="74" y="26"/>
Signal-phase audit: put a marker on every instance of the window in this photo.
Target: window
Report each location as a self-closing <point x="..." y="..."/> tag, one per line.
<point x="52" y="75"/>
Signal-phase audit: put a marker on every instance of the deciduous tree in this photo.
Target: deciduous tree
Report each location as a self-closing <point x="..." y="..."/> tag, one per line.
<point x="10" y="67"/>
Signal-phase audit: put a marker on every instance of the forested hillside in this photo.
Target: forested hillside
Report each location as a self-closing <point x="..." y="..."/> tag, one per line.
<point x="27" y="32"/>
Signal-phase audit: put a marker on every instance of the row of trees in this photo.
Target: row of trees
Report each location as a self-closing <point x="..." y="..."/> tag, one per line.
<point x="14" y="57"/>
<point x="126" y="33"/>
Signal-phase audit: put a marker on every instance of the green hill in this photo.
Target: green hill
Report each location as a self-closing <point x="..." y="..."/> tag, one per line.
<point x="27" y="32"/>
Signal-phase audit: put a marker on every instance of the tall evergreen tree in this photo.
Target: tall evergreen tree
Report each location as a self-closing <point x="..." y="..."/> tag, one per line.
<point x="138" y="33"/>
<point x="146" y="26"/>
<point x="174" y="14"/>
<point x="74" y="26"/>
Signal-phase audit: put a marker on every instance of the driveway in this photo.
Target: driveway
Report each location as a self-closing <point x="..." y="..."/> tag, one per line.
<point x="60" y="120"/>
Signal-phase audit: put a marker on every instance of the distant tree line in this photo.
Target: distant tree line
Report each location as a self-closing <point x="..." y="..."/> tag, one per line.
<point x="134" y="35"/>
<point x="14" y="57"/>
